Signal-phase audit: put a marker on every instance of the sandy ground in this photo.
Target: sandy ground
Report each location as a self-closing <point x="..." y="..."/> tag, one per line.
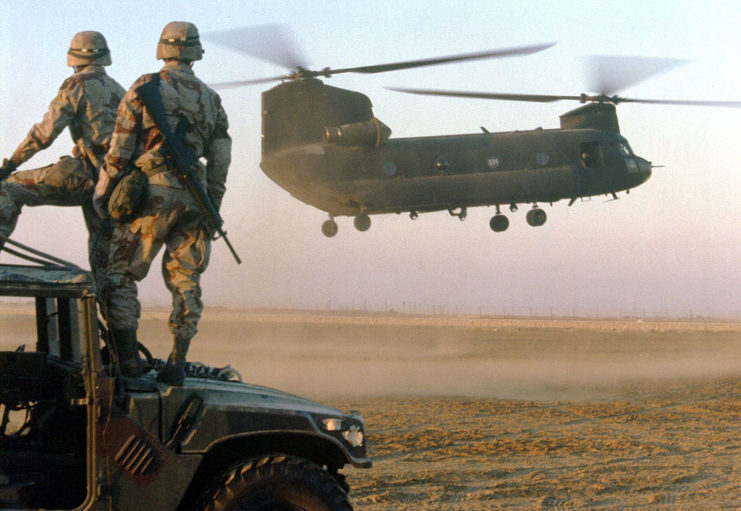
<point x="477" y="413"/>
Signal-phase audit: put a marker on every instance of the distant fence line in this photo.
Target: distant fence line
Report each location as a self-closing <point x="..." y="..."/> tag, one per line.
<point x="518" y="311"/>
<point x="509" y="311"/>
<point x="355" y="318"/>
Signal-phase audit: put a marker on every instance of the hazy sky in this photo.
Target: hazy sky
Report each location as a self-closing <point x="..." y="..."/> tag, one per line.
<point x="672" y="245"/>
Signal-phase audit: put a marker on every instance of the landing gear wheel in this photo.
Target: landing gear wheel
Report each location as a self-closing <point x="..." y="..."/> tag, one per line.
<point x="499" y="223"/>
<point x="536" y="217"/>
<point x="275" y="482"/>
<point x="329" y="228"/>
<point x="362" y="222"/>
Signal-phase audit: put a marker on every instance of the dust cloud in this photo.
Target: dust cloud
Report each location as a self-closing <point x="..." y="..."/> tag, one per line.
<point x="387" y="356"/>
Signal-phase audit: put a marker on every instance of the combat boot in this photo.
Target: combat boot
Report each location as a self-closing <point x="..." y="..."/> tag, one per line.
<point x="174" y="371"/>
<point x="172" y="374"/>
<point x="125" y="342"/>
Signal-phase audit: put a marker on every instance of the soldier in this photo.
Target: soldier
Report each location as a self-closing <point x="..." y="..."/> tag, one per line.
<point x="86" y="103"/>
<point x="170" y="215"/>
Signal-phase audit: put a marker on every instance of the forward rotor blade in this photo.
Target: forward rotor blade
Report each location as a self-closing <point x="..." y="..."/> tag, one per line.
<point x="272" y="43"/>
<point x="680" y="102"/>
<point x="546" y="98"/>
<point x="381" y="68"/>
<point x="537" y="98"/>
<point x="608" y="74"/>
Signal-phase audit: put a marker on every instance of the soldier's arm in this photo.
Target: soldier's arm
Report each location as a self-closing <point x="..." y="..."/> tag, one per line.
<point x="62" y="110"/>
<point x="218" y="153"/>
<point x="125" y="134"/>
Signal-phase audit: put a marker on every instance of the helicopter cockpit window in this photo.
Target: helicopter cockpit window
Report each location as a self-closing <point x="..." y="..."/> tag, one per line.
<point x="591" y="155"/>
<point x="625" y="148"/>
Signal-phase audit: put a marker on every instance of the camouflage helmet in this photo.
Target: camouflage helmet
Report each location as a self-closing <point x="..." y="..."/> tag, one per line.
<point x="88" y="48"/>
<point x="180" y="41"/>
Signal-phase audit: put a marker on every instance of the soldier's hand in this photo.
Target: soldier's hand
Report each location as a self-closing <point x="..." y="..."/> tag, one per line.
<point x="207" y="228"/>
<point x="6" y="168"/>
<point x="103" y="189"/>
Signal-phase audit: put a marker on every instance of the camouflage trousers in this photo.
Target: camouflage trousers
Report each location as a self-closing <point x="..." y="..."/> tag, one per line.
<point x="171" y="218"/>
<point x="65" y="183"/>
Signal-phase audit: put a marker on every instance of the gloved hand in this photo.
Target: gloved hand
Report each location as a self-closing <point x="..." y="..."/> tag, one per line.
<point x="6" y="168"/>
<point x="103" y="189"/>
<point x="205" y="223"/>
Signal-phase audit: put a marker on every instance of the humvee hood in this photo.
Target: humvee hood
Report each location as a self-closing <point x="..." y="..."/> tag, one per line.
<point x="220" y="410"/>
<point x="236" y="394"/>
<point x="18" y="280"/>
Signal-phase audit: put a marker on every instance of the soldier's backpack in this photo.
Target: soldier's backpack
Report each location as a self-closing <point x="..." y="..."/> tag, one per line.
<point x="128" y="196"/>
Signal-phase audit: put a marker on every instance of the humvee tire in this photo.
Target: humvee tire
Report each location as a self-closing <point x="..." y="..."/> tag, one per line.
<point x="275" y="482"/>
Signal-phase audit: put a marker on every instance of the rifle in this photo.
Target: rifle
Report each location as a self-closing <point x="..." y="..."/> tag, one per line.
<point x="182" y="157"/>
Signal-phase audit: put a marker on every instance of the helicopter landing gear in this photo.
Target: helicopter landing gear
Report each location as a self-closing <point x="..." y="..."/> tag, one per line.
<point x="329" y="227"/>
<point x="413" y="215"/>
<point x="536" y="217"/>
<point x="462" y="214"/>
<point x="513" y="207"/>
<point x="499" y="222"/>
<point x="362" y="222"/>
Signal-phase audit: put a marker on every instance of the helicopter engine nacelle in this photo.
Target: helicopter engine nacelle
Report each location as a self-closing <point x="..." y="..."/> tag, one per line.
<point x="367" y="133"/>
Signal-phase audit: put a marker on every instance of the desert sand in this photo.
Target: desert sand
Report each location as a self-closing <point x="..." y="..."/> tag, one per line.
<point x="469" y="413"/>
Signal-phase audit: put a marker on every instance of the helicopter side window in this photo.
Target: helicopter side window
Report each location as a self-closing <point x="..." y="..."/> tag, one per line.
<point x="542" y="159"/>
<point x="591" y="155"/>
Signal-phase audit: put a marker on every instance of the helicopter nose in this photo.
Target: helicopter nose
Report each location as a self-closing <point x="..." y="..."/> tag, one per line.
<point x="644" y="169"/>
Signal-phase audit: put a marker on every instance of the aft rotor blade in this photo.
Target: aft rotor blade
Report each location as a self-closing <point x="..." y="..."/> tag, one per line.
<point x="507" y="52"/>
<point x="272" y="43"/>
<point x="240" y="83"/>
<point x="537" y="98"/>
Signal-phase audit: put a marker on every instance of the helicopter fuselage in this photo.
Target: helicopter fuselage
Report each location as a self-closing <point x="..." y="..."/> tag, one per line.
<point x="456" y="171"/>
<point x="324" y="146"/>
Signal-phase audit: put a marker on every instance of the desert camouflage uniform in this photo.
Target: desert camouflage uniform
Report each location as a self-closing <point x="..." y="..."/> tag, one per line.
<point x="170" y="216"/>
<point x="86" y="103"/>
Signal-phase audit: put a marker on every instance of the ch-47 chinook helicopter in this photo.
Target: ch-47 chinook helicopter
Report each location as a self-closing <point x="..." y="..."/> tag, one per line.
<point x="324" y="146"/>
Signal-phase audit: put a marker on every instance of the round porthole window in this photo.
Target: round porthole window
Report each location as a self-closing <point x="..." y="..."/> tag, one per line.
<point x="390" y="169"/>
<point x="542" y="159"/>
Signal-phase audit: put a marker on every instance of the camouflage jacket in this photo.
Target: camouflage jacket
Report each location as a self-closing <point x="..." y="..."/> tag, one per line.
<point x="136" y="139"/>
<point x="86" y="102"/>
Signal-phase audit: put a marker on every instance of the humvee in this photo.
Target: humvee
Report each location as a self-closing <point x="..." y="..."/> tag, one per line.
<point x="74" y="434"/>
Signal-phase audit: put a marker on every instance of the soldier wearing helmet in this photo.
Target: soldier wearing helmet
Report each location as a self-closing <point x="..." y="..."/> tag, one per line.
<point x="169" y="217"/>
<point x="86" y="104"/>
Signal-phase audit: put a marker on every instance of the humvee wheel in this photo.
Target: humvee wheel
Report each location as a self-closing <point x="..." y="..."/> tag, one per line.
<point x="275" y="482"/>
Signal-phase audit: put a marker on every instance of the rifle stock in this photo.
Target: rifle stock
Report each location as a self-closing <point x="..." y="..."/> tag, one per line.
<point x="183" y="159"/>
